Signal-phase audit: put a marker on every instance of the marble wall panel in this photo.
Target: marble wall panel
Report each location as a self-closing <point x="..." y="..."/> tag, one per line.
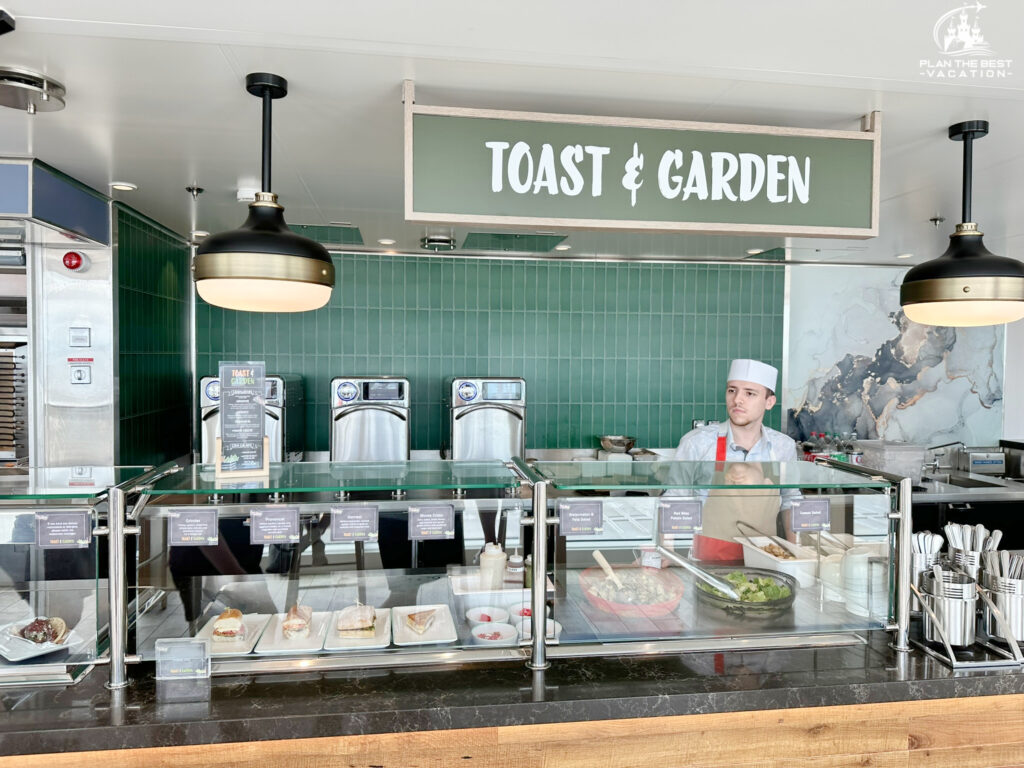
<point x="855" y="363"/>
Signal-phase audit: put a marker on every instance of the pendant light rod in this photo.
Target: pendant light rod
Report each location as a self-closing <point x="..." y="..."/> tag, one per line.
<point x="967" y="132"/>
<point x="267" y="108"/>
<point x="965" y="209"/>
<point x="268" y="87"/>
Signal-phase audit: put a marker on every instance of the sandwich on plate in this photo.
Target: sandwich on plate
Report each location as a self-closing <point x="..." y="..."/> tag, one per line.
<point x="420" y="621"/>
<point x="229" y="626"/>
<point x="357" y="621"/>
<point x="41" y="631"/>
<point x="296" y="622"/>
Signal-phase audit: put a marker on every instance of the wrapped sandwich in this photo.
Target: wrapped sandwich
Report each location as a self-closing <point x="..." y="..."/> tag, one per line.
<point x="229" y="627"/>
<point x="41" y="630"/>
<point x="357" y="621"/>
<point x="296" y="622"/>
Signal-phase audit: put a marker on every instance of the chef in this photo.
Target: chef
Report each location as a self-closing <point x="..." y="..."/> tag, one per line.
<point x="735" y="510"/>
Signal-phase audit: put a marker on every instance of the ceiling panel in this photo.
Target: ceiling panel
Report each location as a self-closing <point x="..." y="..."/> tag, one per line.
<point x="156" y="97"/>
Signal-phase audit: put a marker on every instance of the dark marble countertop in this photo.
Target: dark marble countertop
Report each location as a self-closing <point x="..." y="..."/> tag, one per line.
<point x="294" y="706"/>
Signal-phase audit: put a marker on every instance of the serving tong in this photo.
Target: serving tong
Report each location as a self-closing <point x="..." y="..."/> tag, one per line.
<point x="708" y="578"/>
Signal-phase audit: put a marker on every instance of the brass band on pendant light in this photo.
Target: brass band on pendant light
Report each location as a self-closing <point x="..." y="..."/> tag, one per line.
<point x="968" y="284"/>
<point x="263" y="266"/>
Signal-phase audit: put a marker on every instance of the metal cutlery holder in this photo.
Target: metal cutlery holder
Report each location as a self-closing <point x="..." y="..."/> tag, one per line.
<point x="1008" y="596"/>
<point x="967" y="561"/>
<point x="955" y="608"/>
<point x="920" y="563"/>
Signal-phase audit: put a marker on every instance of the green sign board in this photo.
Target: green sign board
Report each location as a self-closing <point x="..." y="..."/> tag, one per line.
<point x="529" y="169"/>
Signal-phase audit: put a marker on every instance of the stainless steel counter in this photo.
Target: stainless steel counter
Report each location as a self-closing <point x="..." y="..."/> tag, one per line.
<point x="964" y="487"/>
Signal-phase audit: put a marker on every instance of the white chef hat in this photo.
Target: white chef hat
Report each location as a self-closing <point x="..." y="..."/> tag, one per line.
<point x="754" y="371"/>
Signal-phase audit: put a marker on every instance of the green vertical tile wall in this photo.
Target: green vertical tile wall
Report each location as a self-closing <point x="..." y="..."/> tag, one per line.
<point x="639" y="349"/>
<point x="153" y="341"/>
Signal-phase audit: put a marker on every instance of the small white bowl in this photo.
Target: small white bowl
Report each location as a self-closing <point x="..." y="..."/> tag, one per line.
<point x="486" y="614"/>
<point x="520" y="611"/>
<point x="495" y="633"/>
<point x="554" y="629"/>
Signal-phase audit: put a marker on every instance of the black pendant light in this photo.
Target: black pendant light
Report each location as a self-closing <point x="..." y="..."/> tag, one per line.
<point x="263" y="266"/>
<point x="968" y="284"/>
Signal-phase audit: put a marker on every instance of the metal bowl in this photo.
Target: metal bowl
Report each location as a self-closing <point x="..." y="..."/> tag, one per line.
<point x="617" y="443"/>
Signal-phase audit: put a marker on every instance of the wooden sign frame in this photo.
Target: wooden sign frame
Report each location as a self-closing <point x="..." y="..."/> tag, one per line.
<point x="221" y="474"/>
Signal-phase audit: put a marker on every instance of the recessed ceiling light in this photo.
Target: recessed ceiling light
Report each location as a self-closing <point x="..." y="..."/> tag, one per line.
<point x="755" y="251"/>
<point x="904" y="255"/>
<point x="198" y="234"/>
<point x="386" y="241"/>
<point x="563" y="247"/>
<point x="340" y="223"/>
<point x="123" y="186"/>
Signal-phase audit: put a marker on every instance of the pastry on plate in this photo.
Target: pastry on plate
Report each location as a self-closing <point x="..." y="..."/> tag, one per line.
<point x="43" y="630"/>
<point x="229" y="627"/>
<point x="296" y="623"/>
<point x="420" y="621"/>
<point x="357" y="621"/>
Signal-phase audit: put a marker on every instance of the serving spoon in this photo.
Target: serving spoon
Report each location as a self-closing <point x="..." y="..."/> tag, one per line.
<point x="608" y="570"/>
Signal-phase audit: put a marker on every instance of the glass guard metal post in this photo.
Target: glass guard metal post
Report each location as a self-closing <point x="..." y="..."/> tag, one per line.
<point x="902" y="515"/>
<point x="538" y="592"/>
<point x="904" y="568"/>
<point x="117" y="588"/>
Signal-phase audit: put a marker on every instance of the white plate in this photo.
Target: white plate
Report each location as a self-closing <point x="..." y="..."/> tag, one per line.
<point x="441" y="631"/>
<point x="15" y="648"/>
<point x="254" y="626"/>
<point x="381" y="636"/>
<point x="274" y="641"/>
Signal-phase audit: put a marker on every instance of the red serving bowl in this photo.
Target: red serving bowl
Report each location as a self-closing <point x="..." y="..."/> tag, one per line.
<point x="668" y="580"/>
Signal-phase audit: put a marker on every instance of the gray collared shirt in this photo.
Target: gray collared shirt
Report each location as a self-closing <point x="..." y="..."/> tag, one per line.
<point x="700" y="444"/>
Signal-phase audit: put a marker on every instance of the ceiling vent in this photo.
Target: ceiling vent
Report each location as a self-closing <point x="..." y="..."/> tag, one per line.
<point x="438" y="243"/>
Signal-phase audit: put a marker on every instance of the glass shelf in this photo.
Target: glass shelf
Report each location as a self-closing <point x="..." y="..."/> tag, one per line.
<point x="309" y="477"/>
<point x="79" y="483"/>
<point x="696" y="475"/>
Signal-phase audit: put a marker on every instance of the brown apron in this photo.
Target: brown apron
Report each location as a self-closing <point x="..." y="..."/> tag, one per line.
<point x="725" y="508"/>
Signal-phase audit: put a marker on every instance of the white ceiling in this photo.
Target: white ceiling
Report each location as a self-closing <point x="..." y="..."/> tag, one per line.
<point x="156" y="97"/>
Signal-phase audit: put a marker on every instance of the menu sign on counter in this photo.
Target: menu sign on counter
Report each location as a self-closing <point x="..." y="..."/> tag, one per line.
<point x="431" y="521"/>
<point x="63" y="530"/>
<point x="581" y="518"/>
<point x="273" y="525"/>
<point x="182" y="658"/>
<point x="354" y="522"/>
<point x="192" y="527"/>
<point x="811" y="515"/>
<point x="531" y="169"/>
<point x="242" y="405"/>
<point x="679" y="516"/>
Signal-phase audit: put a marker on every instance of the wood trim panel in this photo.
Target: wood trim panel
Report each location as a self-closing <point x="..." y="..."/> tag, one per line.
<point x="638" y="122"/>
<point x="959" y="733"/>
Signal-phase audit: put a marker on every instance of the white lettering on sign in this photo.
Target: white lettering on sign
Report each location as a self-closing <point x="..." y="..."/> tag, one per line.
<point x="524" y="176"/>
<point x="728" y="176"/>
<point x="571" y="156"/>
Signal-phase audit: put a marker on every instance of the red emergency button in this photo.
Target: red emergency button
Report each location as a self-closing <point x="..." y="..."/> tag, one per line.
<point x="73" y="260"/>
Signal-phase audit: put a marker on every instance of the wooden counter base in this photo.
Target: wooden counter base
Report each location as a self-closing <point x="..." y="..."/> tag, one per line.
<point x="959" y="733"/>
